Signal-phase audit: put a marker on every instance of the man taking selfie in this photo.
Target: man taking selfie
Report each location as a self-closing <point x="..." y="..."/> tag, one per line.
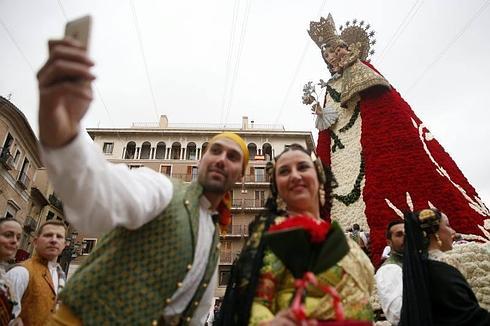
<point x="157" y="262"/>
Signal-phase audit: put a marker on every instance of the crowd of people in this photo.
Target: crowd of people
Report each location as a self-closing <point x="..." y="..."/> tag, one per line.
<point x="156" y="262"/>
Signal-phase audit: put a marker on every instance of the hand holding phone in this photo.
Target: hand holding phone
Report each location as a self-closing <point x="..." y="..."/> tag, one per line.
<point x="65" y="91"/>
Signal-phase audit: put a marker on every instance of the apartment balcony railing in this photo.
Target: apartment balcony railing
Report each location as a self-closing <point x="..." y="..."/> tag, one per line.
<point x="256" y="178"/>
<point x="23" y="180"/>
<point x="248" y="203"/>
<point x="53" y="200"/>
<point x="6" y="159"/>
<point x="236" y="231"/>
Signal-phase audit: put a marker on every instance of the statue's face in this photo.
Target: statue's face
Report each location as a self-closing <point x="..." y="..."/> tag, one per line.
<point x="333" y="55"/>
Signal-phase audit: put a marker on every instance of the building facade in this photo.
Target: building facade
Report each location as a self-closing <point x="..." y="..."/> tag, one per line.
<point x="175" y="150"/>
<point x="25" y="191"/>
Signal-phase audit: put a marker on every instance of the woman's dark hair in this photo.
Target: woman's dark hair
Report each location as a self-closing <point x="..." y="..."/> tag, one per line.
<point x="8" y="219"/>
<point x="416" y="307"/>
<point x="323" y="173"/>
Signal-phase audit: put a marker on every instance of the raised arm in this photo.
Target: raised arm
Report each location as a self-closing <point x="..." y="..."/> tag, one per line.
<point x="96" y="194"/>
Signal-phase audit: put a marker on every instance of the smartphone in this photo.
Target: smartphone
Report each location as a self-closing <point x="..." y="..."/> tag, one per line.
<point x="79" y="29"/>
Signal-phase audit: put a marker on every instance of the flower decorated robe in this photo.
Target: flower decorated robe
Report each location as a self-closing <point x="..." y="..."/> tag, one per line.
<point x="352" y="277"/>
<point x="386" y="161"/>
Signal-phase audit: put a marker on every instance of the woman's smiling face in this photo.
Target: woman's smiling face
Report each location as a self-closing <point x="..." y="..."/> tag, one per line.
<point x="297" y="180"/>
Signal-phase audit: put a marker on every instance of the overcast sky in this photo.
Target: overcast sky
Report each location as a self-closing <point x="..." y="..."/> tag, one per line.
<point x="214" y="61"/>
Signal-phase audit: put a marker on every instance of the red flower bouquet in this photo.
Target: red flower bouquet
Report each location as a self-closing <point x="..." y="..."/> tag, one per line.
<point x="317" y="229"/>
<point x="308" y="246"/>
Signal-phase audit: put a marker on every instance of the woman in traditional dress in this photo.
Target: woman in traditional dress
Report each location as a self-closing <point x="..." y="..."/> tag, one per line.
<point x="10" y="233"/>
<point x="383" y="157"/>
<point x="261" y="288"/>
<point x="435" y="293"/>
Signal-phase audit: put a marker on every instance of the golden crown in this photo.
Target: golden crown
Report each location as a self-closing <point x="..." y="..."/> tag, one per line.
<point x="324" y="33"/>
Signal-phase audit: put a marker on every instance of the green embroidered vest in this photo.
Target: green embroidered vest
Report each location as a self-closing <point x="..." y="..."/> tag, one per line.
<point x="131" y="275"/>
<point x="394" y="258"/>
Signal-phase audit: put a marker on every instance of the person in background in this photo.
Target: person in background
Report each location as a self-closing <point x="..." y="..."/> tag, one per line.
<point x="38" y="280"/>
<point x="435" y="293"/>
<point x="10" y="233"/>
<point x="389" y="276"/>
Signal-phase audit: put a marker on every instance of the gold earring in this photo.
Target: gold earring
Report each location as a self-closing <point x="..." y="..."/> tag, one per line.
<point x="439" y="242"/>
<point x="321" y="194"/>
<point x="281" y="205"/>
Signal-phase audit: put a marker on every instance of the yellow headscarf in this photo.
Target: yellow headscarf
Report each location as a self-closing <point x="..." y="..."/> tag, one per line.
<point x="236" y="139"/>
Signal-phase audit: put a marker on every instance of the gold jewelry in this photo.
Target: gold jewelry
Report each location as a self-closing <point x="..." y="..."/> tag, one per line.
<point x="321" y="195"/>
<point x="281" y="205"/>
<point x="439" y="242"/>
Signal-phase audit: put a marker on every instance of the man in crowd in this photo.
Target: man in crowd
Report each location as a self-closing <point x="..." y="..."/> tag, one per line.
<point x="389" y="277"/>
<point x="38" y="280"/>
<point x="158" y="262"/>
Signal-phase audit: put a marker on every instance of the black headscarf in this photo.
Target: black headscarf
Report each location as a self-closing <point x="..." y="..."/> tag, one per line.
<point x="416" y="308"/>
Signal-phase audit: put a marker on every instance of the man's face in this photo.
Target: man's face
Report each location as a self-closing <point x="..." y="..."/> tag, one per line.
<point x="50" y="243"/>
<point x="220" y="166"/>
<point x="397" y="237"/>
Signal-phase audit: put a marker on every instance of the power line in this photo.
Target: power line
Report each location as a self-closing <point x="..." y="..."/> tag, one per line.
<point x="451" y="43"/>
<point x="17" y="45"/>
<point x="62" y="10"/>
<point x="144" y="58"/>
<point x="297" y="69"/>
<point x="401" y="28"/>
<point x="228" y="59"/>
<point x="239" y="54"/>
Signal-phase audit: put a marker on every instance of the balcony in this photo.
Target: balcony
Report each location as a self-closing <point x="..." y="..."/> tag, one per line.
<point x="53" y="200"/>
<point x="23" y="180"/>
<point x="256" y="178"/>
<point x="30" y="224"/>
<point x="6" y="159"/>
<point x="235" y="231"/>
<point x="248" y="204"/>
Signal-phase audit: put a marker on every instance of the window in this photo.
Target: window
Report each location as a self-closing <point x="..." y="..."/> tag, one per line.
<point x="17" y="155"/>
<point x="191" y="153"/>
<point x="8" y="142"/>
<point x="160" y="152"/>
<point x="259" y="198"/>
<point x="12" y="209"/>
<point x="194" y="173"/>
<point x="252" y="150"/>
<point x="175" y="152"/>
<point x="107" y="148"/>
<point x="166" y="169"/>
<point x="23" y="179"/>
<point x="130" y="150"/>
<point x="259" y="174"/>
<point x="145" y="150"/>
<point x="50" y="216"/>
<point x="88" y="245"/>
<point x="224" y="275"/>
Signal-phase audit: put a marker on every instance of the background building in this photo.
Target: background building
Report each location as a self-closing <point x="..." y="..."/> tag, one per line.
<point x="25" y="192"/>
<point x="175" y="150"/>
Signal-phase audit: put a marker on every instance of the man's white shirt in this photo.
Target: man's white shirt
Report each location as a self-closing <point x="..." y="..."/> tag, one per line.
<point x="389" y="281"/>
